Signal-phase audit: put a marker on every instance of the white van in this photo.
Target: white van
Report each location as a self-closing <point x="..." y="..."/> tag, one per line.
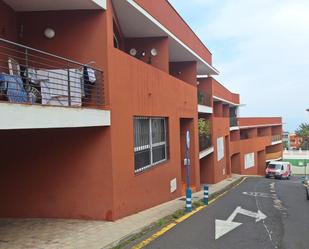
<point x="278" y="169"/>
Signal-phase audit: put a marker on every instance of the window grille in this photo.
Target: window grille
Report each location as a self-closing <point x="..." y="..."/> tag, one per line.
<point x="150" y="142"/>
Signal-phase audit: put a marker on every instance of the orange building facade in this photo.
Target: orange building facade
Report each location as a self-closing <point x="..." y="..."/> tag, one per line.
<point x="96" y="99"/>
<point x="236" y="145"/>
<point x="295" y="141"/>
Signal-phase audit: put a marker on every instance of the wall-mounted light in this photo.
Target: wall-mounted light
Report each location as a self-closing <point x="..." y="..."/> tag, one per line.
<point x="49" y="33"/>
<point x="133" y="52"/>
<point x="154" y="52"/>
<point x="143" y="53"/>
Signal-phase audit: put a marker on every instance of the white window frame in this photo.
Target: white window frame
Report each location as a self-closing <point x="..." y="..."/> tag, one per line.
<point x="220" y="148"/>
<point x="151" y="145"/>
<point x="249" y="160"/>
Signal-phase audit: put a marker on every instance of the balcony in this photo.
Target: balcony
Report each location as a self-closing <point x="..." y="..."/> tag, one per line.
<point x="221" y="93"/>
<point x="43" y="90"/>
<point x="205" y="145"/>
<point x="204" y="102"/>
<point x="276" y="139"/>
<point x="205" y="142"/>
<point x="259" y="122"/>
<point x="233" y="122"/>
<point x="274" y="156"/>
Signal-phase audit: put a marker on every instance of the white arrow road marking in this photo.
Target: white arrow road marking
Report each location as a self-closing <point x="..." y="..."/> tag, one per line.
<point x="257" y="194"/>
<point x="223" y="227"/>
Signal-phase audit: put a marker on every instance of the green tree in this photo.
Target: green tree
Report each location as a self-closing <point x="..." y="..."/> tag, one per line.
<point x="303" y="132"/>
<point x="203" y="127"/>
<point x="285" y="145"/>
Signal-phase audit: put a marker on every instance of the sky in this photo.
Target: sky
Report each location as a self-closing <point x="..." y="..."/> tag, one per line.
<point x="261" y="48"/>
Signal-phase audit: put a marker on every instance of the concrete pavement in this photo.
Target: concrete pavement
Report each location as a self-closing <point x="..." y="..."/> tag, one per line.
<point x="77" y="234"/>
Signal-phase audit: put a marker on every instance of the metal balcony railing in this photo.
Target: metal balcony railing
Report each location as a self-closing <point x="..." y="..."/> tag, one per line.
<point x="31" y="76"/>
<point x="204" y="142"/>
<point x="204" y="98"/>
<point x="233" y="121"/>
<point x="276" y="138"/>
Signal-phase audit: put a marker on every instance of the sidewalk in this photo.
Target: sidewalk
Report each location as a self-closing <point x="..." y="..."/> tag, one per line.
<point x="77" y="234"/>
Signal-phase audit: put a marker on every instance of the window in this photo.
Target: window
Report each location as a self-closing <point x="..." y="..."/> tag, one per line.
<point x="220" y="148"/>
<point x="150" y="142"/>
<point x="249" y="160"/>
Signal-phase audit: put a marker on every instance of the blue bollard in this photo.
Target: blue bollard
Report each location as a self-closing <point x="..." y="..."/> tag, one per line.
<point x="189" y="200"/>
<point x="206" y="194"/>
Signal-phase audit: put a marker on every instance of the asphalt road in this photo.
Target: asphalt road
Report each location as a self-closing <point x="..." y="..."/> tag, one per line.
<point x="280" y="206"/>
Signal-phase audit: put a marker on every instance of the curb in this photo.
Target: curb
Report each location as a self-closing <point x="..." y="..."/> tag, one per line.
<point x="140" y="232"/>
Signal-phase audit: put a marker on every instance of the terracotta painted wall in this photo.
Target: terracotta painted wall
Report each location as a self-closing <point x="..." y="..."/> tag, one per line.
<point x="188" y="124"/>
<point x="274" y="148"/>
<point x="207" y="169"/>
<point x="61" y="173"/>
<point x="81" y="35"/>
<point x="236" y="164"/>
<point x="8" y="22"/>
<point x="168" y="17"/>
<point x="235" y="135"/>
<point x="185" y="71"/>
<point x="259" y="121"/>
<point x="142" y="90"/>
<point x="276" y="130"/>
<point x="222" y="92"/>
<point x="65" y="173"/>
<point x="255" y="145"/>
<point x="248" y="133"/>
<point x="205" y="85"/>
<point x="234" y="147"/>
<point x="265" y="131"/>
<point x="221" y="128"/>
<point x="161" y="61"/>
<point x="218" y="109"/>
<point x="261" y="162"/>
<point x="250" y="171"/>
<point x="226" y="111"/>
<point x="8" y="31"/>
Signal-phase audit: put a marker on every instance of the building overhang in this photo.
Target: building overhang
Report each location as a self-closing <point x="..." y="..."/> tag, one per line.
<point x="22" y="116"/>
<point x="206" y="152"/>
<point x="258" y="126"/>
<point x="277" y="142"/>
<point x="276" y="159"/>
<point x="215" y="98"/>
<point x="135" y="22"/>
<point x="46" y="5"/>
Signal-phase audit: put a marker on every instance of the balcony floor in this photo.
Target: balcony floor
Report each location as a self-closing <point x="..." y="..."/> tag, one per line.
<point x="206" y="152"/>
<point x="205" y="109"/>
<point x="23" y="116"/>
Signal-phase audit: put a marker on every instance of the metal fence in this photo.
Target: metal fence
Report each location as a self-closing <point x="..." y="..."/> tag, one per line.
<point x="31" y="76"/>
<point x="204" y="142"/>
<point x="204" y="98"/>
<point x="276" y="138"/>
<point x="233" y="121"/>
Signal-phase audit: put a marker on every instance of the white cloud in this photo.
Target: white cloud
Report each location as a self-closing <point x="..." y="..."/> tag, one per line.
<point x="261" y="50"/>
